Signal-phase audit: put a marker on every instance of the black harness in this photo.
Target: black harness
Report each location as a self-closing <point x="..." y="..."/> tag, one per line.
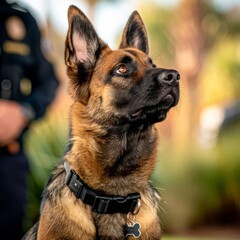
<point x="100" y="203"/>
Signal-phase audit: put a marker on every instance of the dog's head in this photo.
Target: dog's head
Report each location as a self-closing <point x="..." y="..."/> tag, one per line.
<point x="117" y="86"/>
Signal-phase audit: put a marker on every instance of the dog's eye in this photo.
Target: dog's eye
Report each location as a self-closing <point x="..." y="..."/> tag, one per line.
<point x="122" y="69"/>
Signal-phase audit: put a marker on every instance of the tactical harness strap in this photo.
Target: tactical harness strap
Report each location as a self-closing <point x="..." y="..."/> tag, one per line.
<point x="102" y="204"/>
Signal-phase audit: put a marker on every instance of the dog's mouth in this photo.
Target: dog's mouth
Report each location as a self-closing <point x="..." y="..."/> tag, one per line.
<point x="154" y="113"/>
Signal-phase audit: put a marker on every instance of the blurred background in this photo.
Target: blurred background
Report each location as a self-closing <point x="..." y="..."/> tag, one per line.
<point x="198" y="170"/>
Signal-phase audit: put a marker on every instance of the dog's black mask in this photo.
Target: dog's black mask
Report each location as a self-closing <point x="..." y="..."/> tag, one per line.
<point x="151" y="98"/>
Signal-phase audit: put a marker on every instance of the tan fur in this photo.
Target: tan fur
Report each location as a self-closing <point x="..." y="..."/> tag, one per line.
<point x="66" y="218"/>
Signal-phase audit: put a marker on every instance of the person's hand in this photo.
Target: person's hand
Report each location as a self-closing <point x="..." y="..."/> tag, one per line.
<point x="12" y="121"/>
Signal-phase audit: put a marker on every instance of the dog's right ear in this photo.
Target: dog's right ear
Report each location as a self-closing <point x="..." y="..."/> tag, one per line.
<point x="135" y="34"/>
<point x="83" y="47"/>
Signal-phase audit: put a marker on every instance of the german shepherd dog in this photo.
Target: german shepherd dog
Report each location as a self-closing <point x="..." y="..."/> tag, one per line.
<point x="101" y="189"/>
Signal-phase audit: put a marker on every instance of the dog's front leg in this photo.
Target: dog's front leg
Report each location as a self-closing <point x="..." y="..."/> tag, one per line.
<point x="61" y="222"/>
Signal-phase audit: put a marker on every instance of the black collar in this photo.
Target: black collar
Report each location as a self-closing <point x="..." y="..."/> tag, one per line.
<point x="100" y="203"/>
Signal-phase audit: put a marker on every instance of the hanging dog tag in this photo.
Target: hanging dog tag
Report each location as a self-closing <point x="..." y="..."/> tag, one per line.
<point x="133" y="229"/>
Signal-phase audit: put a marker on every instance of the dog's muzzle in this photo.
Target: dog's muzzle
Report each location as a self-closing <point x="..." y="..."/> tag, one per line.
<point x="162" y="94"/>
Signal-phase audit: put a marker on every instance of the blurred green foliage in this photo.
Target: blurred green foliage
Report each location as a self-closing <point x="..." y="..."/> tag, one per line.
<point x="219" y="78"/>
<point x="45" y="145"/>
<point x="201" y="185"/>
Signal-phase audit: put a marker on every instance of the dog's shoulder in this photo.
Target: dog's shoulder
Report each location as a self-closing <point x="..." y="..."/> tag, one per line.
<point x="54" y="185"/>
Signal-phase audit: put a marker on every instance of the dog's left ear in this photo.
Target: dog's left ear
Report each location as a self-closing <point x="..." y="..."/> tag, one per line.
<point x="135" y="34"/>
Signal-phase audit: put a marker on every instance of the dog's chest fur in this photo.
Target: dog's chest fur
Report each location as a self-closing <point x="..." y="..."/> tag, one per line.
<point x="76" y="220"/>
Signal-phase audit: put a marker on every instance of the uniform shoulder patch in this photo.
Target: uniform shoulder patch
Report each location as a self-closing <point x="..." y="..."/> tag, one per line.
<point x="15" y="28"/>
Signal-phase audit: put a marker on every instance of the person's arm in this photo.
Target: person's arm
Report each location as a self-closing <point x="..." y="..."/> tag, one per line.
<point x="12" y="121"/>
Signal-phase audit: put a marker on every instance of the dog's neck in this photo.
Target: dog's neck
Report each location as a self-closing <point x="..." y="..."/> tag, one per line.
<point x="112" y="153"/>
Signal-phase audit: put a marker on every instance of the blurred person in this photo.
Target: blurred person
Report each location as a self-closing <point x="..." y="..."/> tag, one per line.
<point x="27" y="87"/>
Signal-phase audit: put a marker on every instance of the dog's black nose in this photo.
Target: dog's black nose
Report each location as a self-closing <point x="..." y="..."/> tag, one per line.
<point x="170" y="77"/>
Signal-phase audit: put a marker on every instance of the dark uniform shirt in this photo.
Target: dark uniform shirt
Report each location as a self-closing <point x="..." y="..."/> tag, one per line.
<point x="25" y="75"/>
